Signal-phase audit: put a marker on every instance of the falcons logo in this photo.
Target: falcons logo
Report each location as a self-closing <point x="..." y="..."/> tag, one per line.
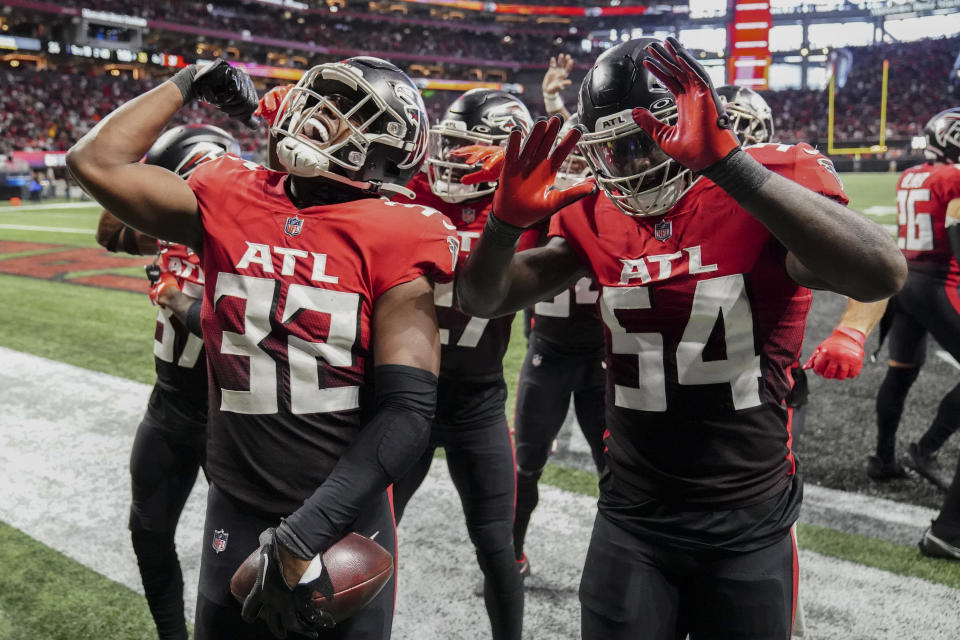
<point x="506" y="117"/>
<point x="200" y="153"/>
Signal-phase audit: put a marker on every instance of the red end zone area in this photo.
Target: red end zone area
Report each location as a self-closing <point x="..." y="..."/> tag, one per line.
<point x="86" y="266"/>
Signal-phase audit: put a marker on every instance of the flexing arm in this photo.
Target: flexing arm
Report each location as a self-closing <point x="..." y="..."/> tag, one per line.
<point x="106" y="163"/>
<point x="407" y="352"/>
<point x="114" y="236"/>
<point x="148" y="198"/>
<point x="829" y="246"/>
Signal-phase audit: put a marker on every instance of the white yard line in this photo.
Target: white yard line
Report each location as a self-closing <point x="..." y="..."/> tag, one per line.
<point x="30" y="227"/>
<point x="50" y="207"/>
<point x="65" y="436"/>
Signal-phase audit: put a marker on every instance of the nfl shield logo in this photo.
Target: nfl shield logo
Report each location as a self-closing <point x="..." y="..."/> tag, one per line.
<point x="663" y="230"/>
<point x="468" y="214"/>
<point x="536" y="360"/>
<point x="220" y="540"/>
<point x="293" y="226"/>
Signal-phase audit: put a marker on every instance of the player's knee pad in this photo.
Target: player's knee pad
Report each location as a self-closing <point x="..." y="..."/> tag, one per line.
<point x="491" y="538"/>
<point x="532" y="455"/>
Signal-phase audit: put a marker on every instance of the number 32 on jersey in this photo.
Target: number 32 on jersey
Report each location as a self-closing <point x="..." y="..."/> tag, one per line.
<point x="724" y="298"/>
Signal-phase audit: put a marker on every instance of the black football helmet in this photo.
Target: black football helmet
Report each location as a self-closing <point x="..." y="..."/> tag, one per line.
<point x="479" y="116"/>
<point x="373" y="112"/>
<point x="184" y="148"/>
<point x="750" y="115"/>
<point x="631" y="169"/>
<point x="943" y="137"/>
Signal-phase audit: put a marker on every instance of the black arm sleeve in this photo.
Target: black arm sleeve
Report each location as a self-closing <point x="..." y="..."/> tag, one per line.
<point x="193" y="318"/>
<point x="953" y="233"/>
<point x="397" y="435"/>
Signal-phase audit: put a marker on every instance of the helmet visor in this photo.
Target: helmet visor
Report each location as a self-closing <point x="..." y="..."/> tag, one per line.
<point x="445" y="171"/>
<point x="634" y="172"/>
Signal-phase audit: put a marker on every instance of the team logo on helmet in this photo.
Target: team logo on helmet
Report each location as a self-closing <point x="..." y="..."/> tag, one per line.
<point x="200" y="153"/>
<point x="507" y="116"/>
<point x="220" y="540"/>
<point x="663" y="230"/>
<point x="293" y="226"/>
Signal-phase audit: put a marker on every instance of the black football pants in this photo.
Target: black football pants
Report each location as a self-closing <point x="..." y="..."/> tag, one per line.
<point x="238" y="531"/>
<point x="632" y="589"/>
<point x="547" y="380"/>
<point x="164" y="463"/>
<point x="480" y="459"/>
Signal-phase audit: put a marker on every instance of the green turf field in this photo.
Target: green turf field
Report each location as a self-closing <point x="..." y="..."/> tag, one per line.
<point x="110" y="331"/>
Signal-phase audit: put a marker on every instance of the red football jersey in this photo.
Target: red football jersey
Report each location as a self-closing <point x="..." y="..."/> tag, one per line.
<point x="473" y="348"/>
<point x="702" y="323"/>
<point x="923" y="193"/>
<point x="287" y="322"/>
<point x="178" y="354"/>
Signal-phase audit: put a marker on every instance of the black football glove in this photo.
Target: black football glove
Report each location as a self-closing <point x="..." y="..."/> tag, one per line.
<point x="228" y="88"/>
<point x="282" y="608"/>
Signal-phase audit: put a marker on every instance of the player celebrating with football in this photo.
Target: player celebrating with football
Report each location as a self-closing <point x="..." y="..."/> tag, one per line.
<point x="704" y="292"/>
<point x="318" y="322"/>
<point x="170" y="443"/>
<point x="470" y="424"/>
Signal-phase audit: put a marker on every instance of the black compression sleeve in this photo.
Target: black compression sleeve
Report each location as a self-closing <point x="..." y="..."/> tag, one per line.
<point x="128" y="241"/>
<point x="396" y="436"/>
<point x="193" y="318"/>
<point x="953" y="233"/>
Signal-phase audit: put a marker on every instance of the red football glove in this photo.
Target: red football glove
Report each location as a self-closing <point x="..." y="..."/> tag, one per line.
<point x="840" y="356"/>
<point x="524" y="195"/>
<point x="270" y="102"/>
<point x="163" y="288"/>
<point x="702" y="135"/>
<point x="490" y="156"/>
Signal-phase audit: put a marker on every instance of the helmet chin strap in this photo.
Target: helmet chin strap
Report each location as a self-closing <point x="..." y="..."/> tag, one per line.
<point x="302" y="161"/>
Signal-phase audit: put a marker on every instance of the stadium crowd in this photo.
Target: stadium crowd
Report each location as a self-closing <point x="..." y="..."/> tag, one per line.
<point x="917" y="84"/>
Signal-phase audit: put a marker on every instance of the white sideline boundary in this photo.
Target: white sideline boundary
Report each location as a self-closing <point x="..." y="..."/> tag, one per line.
<point x="89" y="204"/>
<point x="33" y="227"/>
<point x="65" y="436"/>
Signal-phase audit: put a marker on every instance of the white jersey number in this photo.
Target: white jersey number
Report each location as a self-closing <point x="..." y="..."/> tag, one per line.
<point x="722" y="298"/>
<point x="443" y="297"/>
<point x="163" y="348"/>
<point x="918" y="235"/>
<point x="559" y="306"/>
<point x="306" y="396"/>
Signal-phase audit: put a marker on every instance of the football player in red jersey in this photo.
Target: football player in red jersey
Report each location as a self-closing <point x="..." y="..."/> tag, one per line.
<point x="470" y="424"/>
<point x="928" y="206"/>
<point x="318" y="322"/>
<point x="169" y="446"/>
<point x="704" y="292"/>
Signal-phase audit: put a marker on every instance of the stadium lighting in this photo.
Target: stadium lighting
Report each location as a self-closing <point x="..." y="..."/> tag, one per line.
<point x="804" y="51"/>
<point x="334" y="8"/>
<point x="14" y="63"/>
<point x="825" y="51"/>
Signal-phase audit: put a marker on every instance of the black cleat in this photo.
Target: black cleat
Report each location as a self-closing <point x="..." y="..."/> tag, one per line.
<point x="881" y="471"/>
<point x="926" y="465"/>
<point x="931" y="545"/>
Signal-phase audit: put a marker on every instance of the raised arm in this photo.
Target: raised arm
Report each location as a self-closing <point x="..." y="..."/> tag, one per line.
<point x="554" y="81"/>
<point x="495" y="280"/>
<point x="830" y="246"/>
<point x="106" y="161"/>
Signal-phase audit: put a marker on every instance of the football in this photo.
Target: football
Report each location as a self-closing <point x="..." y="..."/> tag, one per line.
<point x="358" y="568"/>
